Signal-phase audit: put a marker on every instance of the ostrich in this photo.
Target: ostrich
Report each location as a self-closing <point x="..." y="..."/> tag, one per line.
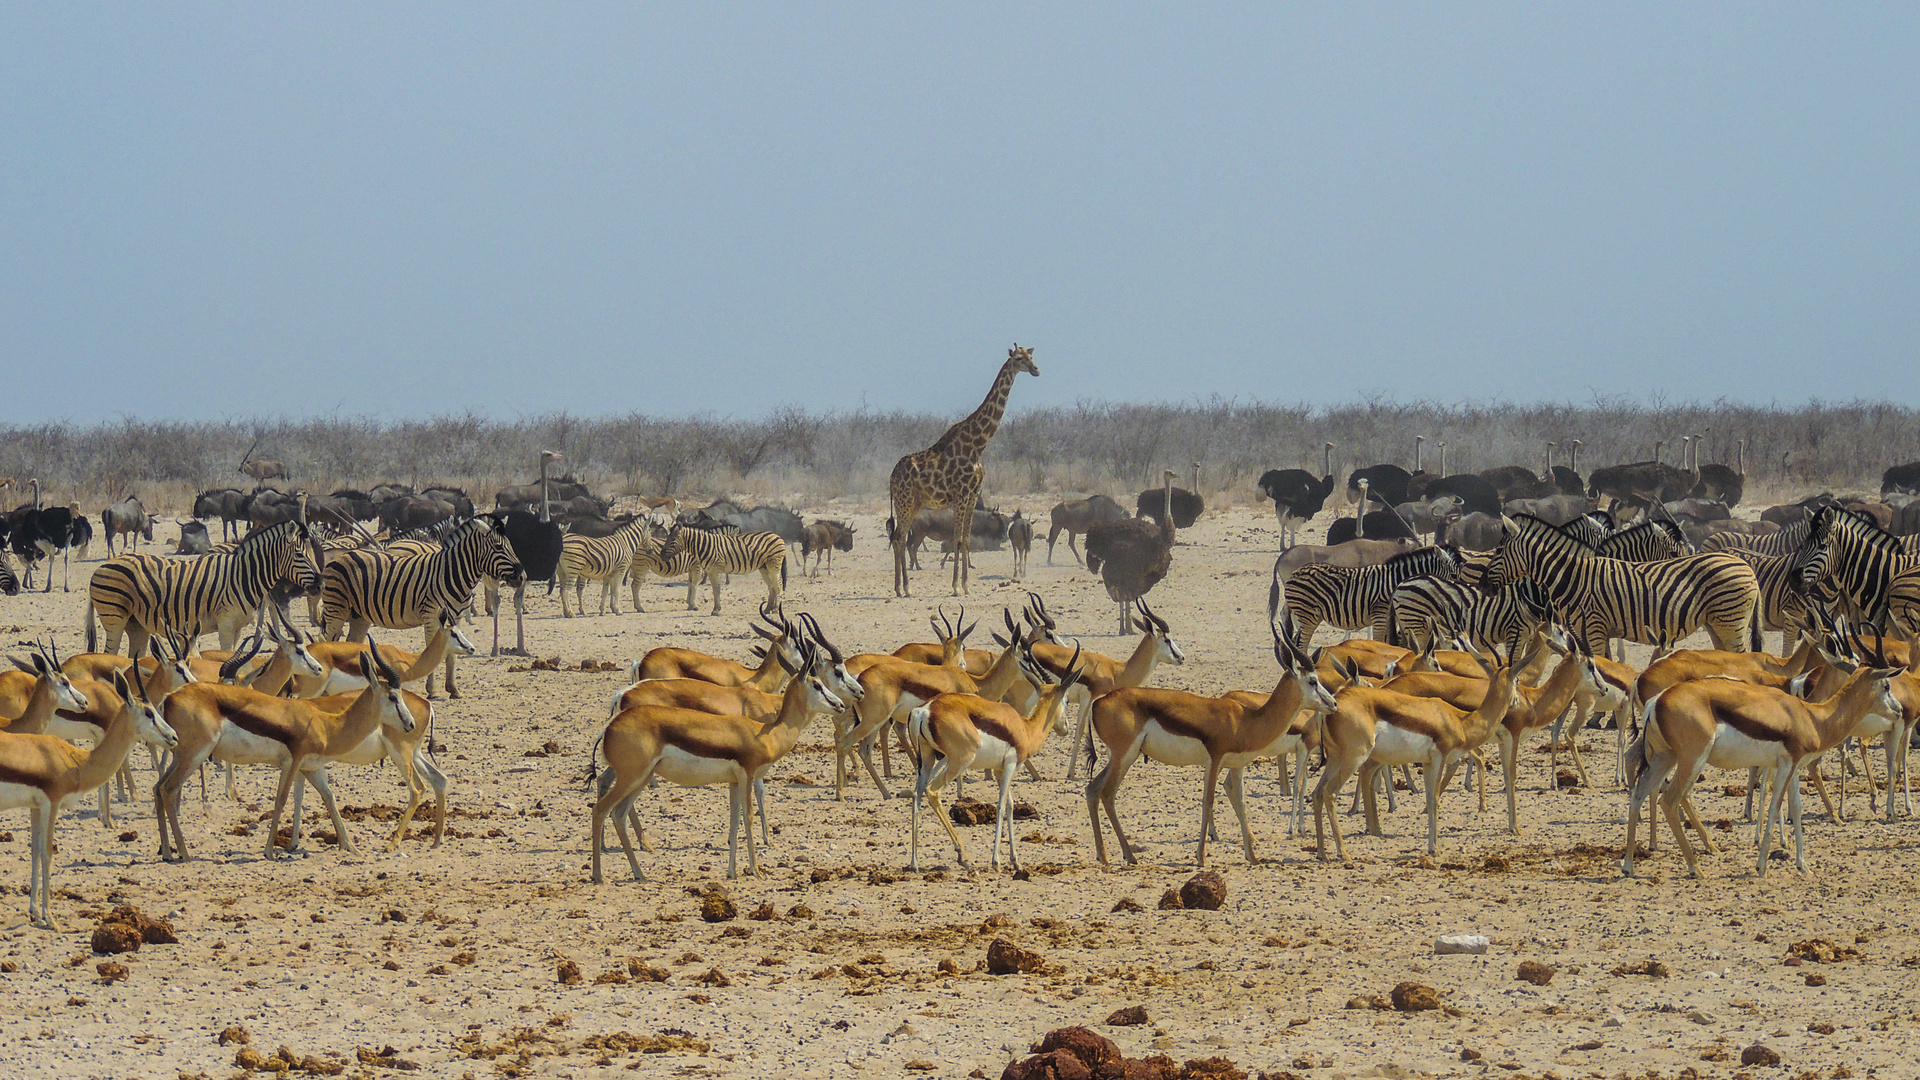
<point x="1297" y="496"/>
<point x="536" y="543"/>
<point x="1132" y="555"/>
<point x="1719" y="482"/>
<point x="1187" y="505"/>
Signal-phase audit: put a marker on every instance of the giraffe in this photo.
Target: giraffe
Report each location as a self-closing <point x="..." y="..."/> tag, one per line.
<point x="949" y="473"/>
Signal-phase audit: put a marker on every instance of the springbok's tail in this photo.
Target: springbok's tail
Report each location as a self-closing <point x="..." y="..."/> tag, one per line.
<point x="93" y="640"/>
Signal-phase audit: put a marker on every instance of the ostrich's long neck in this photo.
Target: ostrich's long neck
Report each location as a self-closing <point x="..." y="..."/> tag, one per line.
<point x="1166" y="513"/>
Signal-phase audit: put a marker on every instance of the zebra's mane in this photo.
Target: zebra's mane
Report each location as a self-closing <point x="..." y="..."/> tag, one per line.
<point x="1666" y="525"/>
<point x="1422" y="555"/>
<point x="268" y="535"/>
<point x="1866" y="530"/>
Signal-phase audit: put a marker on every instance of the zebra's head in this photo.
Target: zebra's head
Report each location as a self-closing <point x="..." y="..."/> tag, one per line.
<point x="495" y="551"/>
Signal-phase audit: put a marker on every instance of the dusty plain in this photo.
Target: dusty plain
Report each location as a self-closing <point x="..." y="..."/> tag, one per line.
<point x="449" y="957"/>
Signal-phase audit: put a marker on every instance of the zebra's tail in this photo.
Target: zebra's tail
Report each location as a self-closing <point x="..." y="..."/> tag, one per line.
<point x="93" y="639"/>
<point x="783" y="574"/>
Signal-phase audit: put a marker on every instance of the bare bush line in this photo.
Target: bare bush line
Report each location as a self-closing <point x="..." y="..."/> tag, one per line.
<point x="795" y="455"/>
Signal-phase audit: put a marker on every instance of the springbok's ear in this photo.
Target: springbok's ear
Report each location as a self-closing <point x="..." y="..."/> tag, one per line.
<point x="120" y="686"/>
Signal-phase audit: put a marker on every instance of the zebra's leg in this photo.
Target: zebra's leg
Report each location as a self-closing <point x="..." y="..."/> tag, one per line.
<point x="713" y="582"/>
<point x="520" y="619"/>
<point x="693" y="586"/>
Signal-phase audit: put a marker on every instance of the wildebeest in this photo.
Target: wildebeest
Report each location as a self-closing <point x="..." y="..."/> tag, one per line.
<point x="1351" y="553"/>
<point x="126" y="518"/>
<point x="409" y="512"/>
<point x="989" y="531"/>
<point x="1554" y="509"/>
<point x="823" y="538"/>
<point x="1430" y="516"/>
<point x="1476" y="532"/>
<point x="266" y="506"/>
<point x="1074" y="517"/>
<point x="193" y="538"/>
<point x="227" y="504"/>
<point x="1020" y="537"/>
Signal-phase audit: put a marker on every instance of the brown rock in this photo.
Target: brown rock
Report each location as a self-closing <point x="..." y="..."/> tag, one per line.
<point x="568" y="973"/>
<point x="1127" y="903"/>
<point x="152" y="931"/>
<point x="112" y="938"/>
<point x="1213" y="1068"/>
<point x="1006" y="958"/>
<point x="1097" y="1052"/>
<point x="1204" y="891"/>
<point x="1170" y="901"/>
<point x="971" y="812"/>
<point x="1131" y="1016"/>
<point x="1056" y="1065"/>
<point x="717" y="906"/>
<point x="763" y="913"/>
<point x="1822" y="951"/>
<point x="946" y="966"/>
<point x="713" y="977"/>
<point x="111" y="971"/>
<point x="1758" y="1054"/>
<point x="1535" y="972"/>
<point x="235" y="1034"/>
<point x="1415" y="997"/>
<point x="646" y="972"/>
<point x="1652" y="968"/>
<point x="1814" y="978"/>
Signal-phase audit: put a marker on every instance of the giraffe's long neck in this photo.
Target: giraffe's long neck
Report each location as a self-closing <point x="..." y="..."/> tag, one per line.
<point x="977" y="428"/>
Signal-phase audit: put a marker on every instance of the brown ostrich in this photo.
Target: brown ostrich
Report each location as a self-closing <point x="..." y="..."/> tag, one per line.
<point x="1133" y="554"/>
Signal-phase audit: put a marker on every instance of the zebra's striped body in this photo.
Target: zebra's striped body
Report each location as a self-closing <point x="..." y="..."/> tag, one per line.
<point x="1647" y="542"/>
<point x="140" y="595"/>
<point x="1426" y="608"/>
<point x="1353" y="597"/>
<point x="1599" y="599"/>
<point x="599" y="558"/>
<point x="1783" y="606"/>
<point x="714" y="552"/>
<point x="9" y="581"/>
<point x="1590" y="528"/>
<point x="1869" y="565"/>
<point x="647" y="559"/>
<point x="362" y="589"/>
<point x="1784" y="542"/>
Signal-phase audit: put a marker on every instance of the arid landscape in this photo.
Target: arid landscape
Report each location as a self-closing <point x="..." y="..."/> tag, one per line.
<point x="493" y="955"/>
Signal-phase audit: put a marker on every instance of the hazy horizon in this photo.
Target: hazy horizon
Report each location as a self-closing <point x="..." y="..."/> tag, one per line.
<point x="225" y="210"/>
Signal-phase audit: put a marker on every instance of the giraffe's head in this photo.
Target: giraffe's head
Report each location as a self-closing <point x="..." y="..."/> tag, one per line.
<point x="1021" y="359"/>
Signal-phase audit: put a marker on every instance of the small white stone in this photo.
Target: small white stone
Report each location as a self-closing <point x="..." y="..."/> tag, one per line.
<point x="1614" y="1020"/>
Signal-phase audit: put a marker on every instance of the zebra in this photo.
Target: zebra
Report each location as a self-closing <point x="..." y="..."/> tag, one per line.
<point x="1599" y="599"/>
<point x="1786" y="541"/>
<point x="647" y="559"/>
<point x="713" y="552"/>
<point x="1352" y="597"/>
<point x="1868" y="565"/>
<point x="362" y="589"/>
<point x="1783" y="604"/>
<point x="9" y="581"/>
<point x="1427" y="608"/>
<point x="1647" y="542"/>
<point x="1591" y="527"/>
<point x="140" y="595"/>
<point x="599" y="558"/>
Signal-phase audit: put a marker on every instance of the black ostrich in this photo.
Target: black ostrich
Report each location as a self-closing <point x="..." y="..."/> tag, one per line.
<point x="536" y="540"/>
<point x="1387" y="484"/>
<point x="1899" y="478"/>
<point x="1728" y="483"/>
<point x="1297" y="496"/>
<point x="1187" y="505"/>
<point x="1132" y="555"/>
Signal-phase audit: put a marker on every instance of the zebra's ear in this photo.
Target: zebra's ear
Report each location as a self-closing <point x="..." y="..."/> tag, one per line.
<point x="1508" y="526"/>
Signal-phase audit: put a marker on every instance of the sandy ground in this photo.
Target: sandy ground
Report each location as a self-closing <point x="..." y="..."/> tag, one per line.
<point x="444" y="955"/>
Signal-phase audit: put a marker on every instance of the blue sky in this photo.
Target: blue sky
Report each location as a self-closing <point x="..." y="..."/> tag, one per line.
<point x="224" y="209"/>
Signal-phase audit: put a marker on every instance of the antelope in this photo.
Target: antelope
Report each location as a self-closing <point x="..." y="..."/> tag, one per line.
<point x="696" y="749"/>
<point x="892" y="688"/>
<point x="949" y="648"/>
<point x="698" y="696"/>
<point x="410" y="751"/>
<point x="1534" y="707"/>
<point x="338" y="661"/>
<point x="956" y="733"/>
<point x="1733" y="725"/>
<point x="245" y="727"/>
<point x="1174" y="727"/>
<point x="1103" y="675"/>
<point x="41" y="772"/>
<point x="778" y="657"/>
<point x="1373" y="727"/>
